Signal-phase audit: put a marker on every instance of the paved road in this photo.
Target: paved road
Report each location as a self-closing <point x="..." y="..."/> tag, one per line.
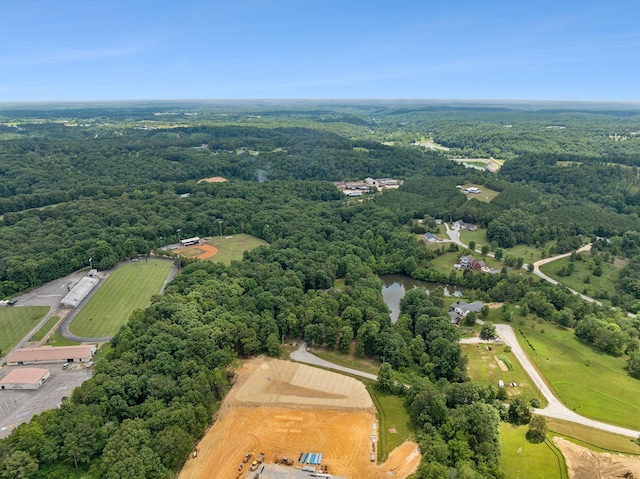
<point x="303" y="356"/>
<point x="555" y="408"/>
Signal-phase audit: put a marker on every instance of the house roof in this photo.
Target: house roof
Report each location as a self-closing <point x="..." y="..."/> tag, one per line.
<point x="430" y="236"/>
<point x="49" y="353"/>
<point x="476" y="306"/>
<point x="79" y="291"/>
<point x="24" y="376"/>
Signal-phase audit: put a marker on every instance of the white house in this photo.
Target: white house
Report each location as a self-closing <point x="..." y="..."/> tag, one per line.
<point x="430" y="237"/>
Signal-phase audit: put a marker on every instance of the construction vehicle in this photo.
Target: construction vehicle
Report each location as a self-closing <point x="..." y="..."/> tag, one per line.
<point x="284" y="460"/>
<point x="247" y="456"/>
<point x="257" y="462"/>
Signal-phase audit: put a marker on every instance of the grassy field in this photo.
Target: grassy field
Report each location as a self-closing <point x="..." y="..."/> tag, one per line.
<point x="42" y="332"/>
<point x="584" y="271"/>
<point x="528" y="253"/>
<point x="485" y="195"/>
<point x="591" y="383"/>
<point x="16" y="322"/>
<point x="56" y="339"/>
<point x="367" y="365"/>
<point x="523" y="459"/>
<point x="231" y="248"/>
<point x="594" y="439"/>
<point x="479" y="236"/>
<point x="392" y="415"/>
<point x="129" y="287"/>
<point x="484" y="368"/>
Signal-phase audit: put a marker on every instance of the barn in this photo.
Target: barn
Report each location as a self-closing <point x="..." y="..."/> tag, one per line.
<point x="25" y="378"/>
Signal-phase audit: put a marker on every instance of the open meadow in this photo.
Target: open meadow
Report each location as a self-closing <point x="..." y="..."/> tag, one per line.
<point x="589" y="382"/>
<point x="523" y="459"/>
<point x="128" y="287"/>
<point x="582" y="278"/>
<point x="16" y="322"/>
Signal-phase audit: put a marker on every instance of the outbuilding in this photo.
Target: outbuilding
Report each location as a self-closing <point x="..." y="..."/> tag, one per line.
<point x="25" y="378"/>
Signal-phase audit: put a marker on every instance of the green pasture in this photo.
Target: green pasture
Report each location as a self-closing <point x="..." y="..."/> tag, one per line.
<point x="528" y="253"/>
<point x="520" y="458"/>
<point x="444" y="262"/>
<point x="590" y="383"/>
<point x="583" y="270"/>
<point x="484" y="368"/>
<point x="46" y="327"/>
<point x="130" y="286"/>
<point x="16" y="322"/>
<point x="231" y="248"/>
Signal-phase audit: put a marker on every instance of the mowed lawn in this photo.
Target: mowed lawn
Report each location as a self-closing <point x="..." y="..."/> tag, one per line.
<point x="16" y="322"/>
<point x="521" y="458"/>
<point x="589" y="382"/>
<point x="484" y="367"/>
<point x="584" y="271"/>
<point x="231" y="248"/>
<point x="129" y="287"/>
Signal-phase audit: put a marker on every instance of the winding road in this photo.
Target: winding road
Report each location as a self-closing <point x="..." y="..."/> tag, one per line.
<point x="555" y="408"/>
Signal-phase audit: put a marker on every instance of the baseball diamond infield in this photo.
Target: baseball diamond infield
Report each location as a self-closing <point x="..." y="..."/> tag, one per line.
<point x="200" y="251"/>
<point x="281" y="408"/>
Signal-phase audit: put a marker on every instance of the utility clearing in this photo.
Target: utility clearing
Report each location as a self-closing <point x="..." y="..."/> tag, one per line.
<point x="283" y="409"/>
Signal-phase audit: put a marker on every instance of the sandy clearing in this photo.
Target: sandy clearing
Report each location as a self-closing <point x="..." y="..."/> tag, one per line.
<point x="213" y="179"/>
<point x="586" y="464"/>
<point x="283" y="408"/>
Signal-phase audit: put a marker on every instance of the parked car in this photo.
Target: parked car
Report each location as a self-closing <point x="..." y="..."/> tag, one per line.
<point x="65" y="365"/>
<point x="89" y="364"/>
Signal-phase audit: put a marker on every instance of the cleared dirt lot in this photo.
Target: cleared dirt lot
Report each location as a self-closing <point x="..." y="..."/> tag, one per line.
<point x="282" y="408"/>
<point x="586" y="464"/>
<point x="19" y="406"/>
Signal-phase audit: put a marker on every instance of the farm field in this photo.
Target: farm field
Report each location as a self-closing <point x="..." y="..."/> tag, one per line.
<point x="489" y="367"/>
<point x="128" y="287"/>
<point x="283" y="408"/>
<point x="583" y="270"/>
<point x="225" y="248"/>
<point x="523" y="459"/>
<point x="16" y="322"/>
<point x="591" y="383"/>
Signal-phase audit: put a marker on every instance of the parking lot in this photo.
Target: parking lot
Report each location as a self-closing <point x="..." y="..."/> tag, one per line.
<point x="18" y="406"/>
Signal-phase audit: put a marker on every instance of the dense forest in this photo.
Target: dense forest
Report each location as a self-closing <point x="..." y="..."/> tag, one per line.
<point x="111" y="184"/>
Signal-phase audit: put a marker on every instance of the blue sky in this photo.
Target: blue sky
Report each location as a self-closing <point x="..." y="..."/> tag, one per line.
<point x="155" y="49"/>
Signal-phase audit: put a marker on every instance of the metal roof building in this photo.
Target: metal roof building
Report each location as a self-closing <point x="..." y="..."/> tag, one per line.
<point x="49" y="354"/>
<point x="25" y="378"/>
<point x="80" y="291"/>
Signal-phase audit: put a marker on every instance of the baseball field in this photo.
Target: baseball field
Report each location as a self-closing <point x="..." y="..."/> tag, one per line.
<point x="282" y="408"/>
<point x="222" y="249"/>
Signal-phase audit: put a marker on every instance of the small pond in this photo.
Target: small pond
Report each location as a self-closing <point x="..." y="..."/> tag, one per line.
<point x="394" y="287"/>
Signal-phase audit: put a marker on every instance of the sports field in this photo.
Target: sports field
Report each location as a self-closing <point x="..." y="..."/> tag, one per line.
<point x="16" y="322"/>
<point x="222" y="249"/>
<point x="129" y="287"/>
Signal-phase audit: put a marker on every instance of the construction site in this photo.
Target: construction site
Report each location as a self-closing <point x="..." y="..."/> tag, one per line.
<point x="284" y="420"/>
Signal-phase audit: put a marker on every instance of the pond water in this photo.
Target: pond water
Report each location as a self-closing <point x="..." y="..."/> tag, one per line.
<point x="394" y="286"/>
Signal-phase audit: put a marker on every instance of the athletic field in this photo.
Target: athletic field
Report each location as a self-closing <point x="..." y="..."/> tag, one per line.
<point x="129" y="287"/>
<point x="16" y="322"/>
<point x="222" y="249"/>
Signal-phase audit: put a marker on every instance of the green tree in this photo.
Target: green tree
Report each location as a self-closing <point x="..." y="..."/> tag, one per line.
<point x="385" y="381"/>
<point x="633" y="364"/>
<point x="537" y="429"/>
<point x="519" y="412"/>
<point x="488" y="331"/>
<point x="18" y="465"/>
